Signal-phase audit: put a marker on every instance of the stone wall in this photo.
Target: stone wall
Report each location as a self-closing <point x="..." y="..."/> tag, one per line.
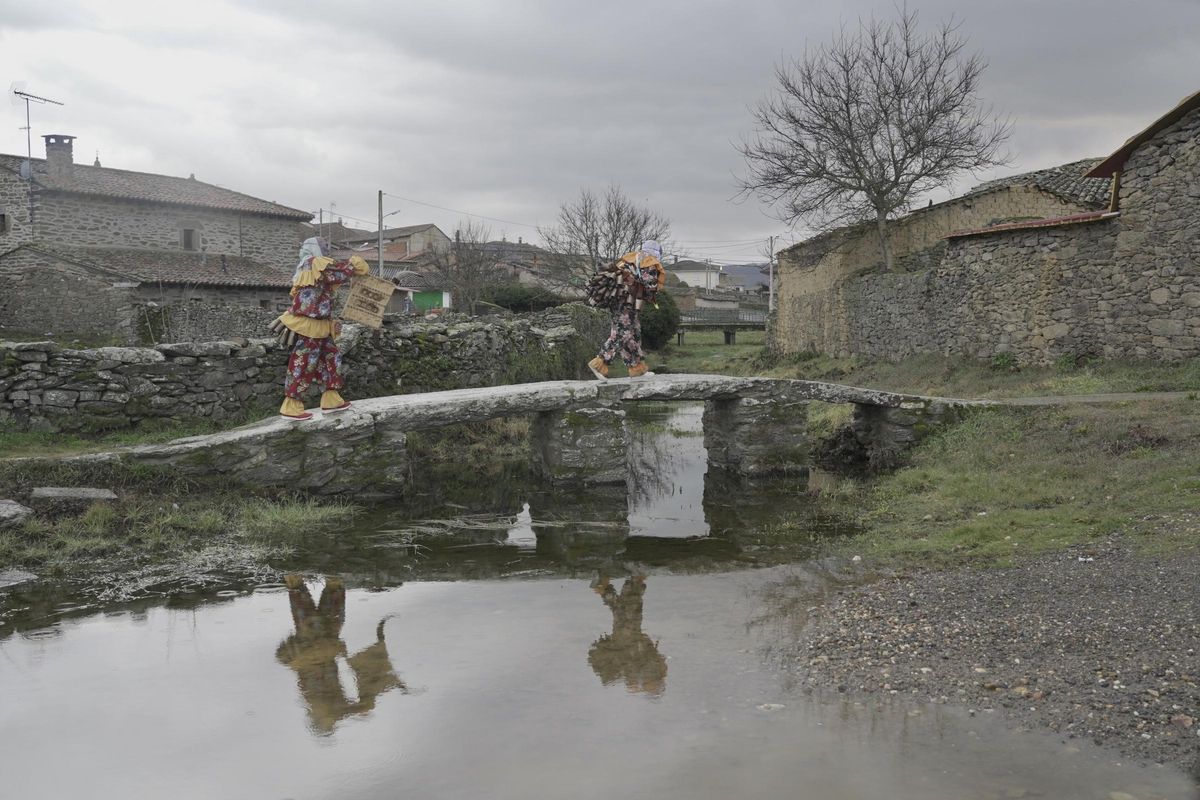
<point x="206" y="319"/>
<point x="46" y="387"/>
<point x="1127" y="287"/>
<point x="14" y="204"/>
<point x="47" y="296"/>
<point x="80" y="220"/>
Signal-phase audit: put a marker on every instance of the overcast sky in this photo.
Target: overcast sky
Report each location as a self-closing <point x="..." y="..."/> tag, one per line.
<point x="506" y="109"/>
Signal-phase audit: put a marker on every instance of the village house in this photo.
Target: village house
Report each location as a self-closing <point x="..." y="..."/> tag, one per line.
<point x="100" y="253"/>
<point x="699" y="274"/>
<point x="1096" y="258"/>
<point x="399" y="244"/>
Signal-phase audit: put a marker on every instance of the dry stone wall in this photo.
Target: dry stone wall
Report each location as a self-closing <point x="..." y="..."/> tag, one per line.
<point x="46" y="387"/>
<point x="47" y="296"/>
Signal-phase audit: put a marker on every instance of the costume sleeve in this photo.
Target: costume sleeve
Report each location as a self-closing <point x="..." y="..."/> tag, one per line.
<point x="339" y="272"/>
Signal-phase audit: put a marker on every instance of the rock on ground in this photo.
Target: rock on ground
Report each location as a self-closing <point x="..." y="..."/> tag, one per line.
<point x="1095" y="642"/>
<point x="12" y="513"/>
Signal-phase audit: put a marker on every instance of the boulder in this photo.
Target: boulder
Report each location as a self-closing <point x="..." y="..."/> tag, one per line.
<point x="12" y="513"/>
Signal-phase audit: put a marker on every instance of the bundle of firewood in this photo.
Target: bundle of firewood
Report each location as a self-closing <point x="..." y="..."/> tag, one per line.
<point x="610" y="288"/>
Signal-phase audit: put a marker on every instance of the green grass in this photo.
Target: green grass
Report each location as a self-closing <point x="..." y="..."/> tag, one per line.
<point x="16" y="443"/>
<point x="164" y="527"/>
<point x="1003" y="484"/>
<point x="706" y="352"/>
<point x="971" y="378"/>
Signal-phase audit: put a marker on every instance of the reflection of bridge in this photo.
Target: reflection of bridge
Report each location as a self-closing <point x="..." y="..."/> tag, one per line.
<point x="752" y="426"/>
<point x="728" y="320"/>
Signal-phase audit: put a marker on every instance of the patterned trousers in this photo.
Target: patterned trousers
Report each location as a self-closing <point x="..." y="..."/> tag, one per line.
<point x="313" y="361"/>
<point x="625" y="336"/>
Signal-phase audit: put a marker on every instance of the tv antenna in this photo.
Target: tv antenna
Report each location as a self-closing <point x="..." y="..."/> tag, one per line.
<point x="19" y="94"/>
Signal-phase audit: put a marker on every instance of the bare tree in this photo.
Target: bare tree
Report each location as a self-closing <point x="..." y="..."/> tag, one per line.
<point x="469" y="265"/>
<point x="594" y="230"/>
<point x="863" y="126"/>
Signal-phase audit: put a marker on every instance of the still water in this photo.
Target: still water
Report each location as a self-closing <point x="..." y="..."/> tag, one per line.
<point x="566" y="659"/>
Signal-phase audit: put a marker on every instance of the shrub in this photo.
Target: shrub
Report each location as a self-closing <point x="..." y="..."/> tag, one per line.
<point x="660" y="320"/>
<point x="518" y="298"/>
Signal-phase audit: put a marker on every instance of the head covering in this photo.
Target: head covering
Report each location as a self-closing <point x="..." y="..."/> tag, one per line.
<point x="652" y="248"/>
<point x="310" y="249"/>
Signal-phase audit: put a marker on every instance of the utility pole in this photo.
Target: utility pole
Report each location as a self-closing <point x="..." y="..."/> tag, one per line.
<point x="380" y="271"/>
<point x="771" y="275"/>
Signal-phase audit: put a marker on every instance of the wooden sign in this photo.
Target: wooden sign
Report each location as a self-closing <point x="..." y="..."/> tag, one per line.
<point x="368" y="300"/>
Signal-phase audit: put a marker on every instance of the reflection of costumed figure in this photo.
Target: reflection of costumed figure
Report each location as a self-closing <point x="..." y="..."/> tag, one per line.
<point x="623" y="287"/>
<point x="313" y="650"/>
<point x="308" y="328"/>
<point x="627" y="653"/>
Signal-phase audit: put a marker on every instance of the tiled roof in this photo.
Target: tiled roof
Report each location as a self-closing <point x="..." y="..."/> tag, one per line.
<point x="147" y="186"/>
<point x="693" y="266"/>
<point x="1066" y="181"/>
<point x="174" y="266"/>
<point x="410" y="280"/>
<point x="335" y="232"/>
<point x="392" y="233"/>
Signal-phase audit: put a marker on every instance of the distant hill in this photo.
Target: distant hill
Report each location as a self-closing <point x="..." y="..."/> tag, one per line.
<point x="747" y="275"/>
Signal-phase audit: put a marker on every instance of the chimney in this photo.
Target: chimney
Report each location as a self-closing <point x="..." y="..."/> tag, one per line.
<point x="59" y="156"/>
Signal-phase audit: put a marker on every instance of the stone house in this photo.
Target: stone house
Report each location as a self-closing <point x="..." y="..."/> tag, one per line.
<point x="85" y="250"/>
<point x="1099" y="258"/>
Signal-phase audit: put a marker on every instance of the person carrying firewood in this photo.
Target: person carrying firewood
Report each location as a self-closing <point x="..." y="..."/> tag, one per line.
<point x="624" y="287"/>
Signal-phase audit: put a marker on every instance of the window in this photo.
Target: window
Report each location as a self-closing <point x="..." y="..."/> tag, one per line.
<point x="3" y="223"/>
<point x="191" y="239"/>
<point x="265" y="304"/>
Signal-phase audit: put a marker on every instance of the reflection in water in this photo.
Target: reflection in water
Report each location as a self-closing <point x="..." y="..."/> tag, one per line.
<point x="313" y="652"/>
<point x="627" y="653"/>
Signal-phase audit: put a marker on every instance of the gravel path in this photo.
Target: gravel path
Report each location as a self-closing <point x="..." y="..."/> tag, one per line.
<point x="1094" y="642"/>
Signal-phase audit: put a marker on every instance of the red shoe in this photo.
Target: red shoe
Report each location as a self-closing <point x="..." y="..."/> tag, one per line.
<point x="297" y="417"/>
<point x="343" y="407"/>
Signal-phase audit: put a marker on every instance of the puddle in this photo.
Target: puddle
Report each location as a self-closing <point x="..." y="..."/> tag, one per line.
<point x="659" y="686"/>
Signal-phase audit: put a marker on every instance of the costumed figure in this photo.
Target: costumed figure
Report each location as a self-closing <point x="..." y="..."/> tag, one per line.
<point x="314" y="650"/>
<point x="308" y="329"/>
<point x="627" y="654"/>
<point x="623" y="288"/>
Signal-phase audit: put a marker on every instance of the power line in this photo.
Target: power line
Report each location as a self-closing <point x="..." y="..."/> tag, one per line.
<point x="465" y="213"/>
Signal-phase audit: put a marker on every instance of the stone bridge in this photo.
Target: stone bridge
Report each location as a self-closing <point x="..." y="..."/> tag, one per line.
<point x="752" y="426"/>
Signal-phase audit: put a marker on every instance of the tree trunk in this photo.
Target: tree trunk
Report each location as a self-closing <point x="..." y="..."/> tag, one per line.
<point x="885" y="245"/>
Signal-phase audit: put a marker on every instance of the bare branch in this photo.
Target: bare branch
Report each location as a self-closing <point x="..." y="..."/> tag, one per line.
<point x="863" y="125"/>
<point x="595" y="230"/>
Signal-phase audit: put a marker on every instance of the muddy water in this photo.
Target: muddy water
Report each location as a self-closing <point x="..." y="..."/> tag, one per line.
<point x="561" y="661"/>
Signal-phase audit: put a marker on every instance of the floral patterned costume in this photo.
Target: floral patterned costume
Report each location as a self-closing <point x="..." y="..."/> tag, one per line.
<point x="310" y="327"/>
<point x="643" y="275"/>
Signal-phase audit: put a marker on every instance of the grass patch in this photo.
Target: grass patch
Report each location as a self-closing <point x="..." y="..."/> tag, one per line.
<point x="472" y="445"/>
<point x="1003" y="483"/>
<point x="931" y="374"/>
<point x="165" y="527"/>
<point x="705" y="352"/>
<point x="16" y="443"/>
